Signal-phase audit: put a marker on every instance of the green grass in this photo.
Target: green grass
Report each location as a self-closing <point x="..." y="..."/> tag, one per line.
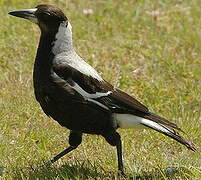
<point x="149" y="48"/>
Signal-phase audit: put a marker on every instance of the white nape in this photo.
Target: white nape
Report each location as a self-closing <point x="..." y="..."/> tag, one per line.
<point x="126" y="121"/>
<point x="63" y="38"/>
<point x="65" y="54"/>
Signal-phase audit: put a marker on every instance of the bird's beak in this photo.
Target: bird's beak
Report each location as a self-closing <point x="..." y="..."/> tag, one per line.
<point x="26" y="14"/>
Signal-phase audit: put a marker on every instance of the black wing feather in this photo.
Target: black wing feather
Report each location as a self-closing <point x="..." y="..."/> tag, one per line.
<point x="117" y="102"/>
<point x="117" y="99"/>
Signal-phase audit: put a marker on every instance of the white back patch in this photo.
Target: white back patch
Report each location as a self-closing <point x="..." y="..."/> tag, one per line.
<point x="79" y="64"/>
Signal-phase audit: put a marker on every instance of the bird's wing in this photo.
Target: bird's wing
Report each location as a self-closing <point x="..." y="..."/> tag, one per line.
<point x="103" y="95"/>
<point x="99" y="92"/>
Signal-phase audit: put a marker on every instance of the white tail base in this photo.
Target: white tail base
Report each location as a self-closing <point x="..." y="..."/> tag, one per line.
<point x="126" y="121"/>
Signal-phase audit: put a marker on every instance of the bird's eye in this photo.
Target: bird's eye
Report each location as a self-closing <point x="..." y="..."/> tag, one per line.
<point x="44" y="15"/>
<point x="47" y="13"/>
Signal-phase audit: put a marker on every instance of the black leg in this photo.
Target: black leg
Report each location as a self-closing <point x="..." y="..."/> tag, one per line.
<point x="61" y="154"/>
<point x="120" y="159"/>
<point x="75" y="139"/>
<point x="114" y="139"/>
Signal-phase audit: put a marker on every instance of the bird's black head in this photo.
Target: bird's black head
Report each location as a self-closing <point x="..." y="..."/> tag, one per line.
<point x="48" y="17"/>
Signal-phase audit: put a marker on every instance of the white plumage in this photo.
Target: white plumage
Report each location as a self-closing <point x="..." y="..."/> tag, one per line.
<point x="127" y="121"/>
<point x="87" y="95"/>
<point x="63" y="42"/>
<point x="65" y="54"/>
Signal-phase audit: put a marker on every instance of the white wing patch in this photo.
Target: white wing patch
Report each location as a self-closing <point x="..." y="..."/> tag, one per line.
<point x="90" y="97"/>
<point x="98" y="103"/>
<point x="86" y="95"/>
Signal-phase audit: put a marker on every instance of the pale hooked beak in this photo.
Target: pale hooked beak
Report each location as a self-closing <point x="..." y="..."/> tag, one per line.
<point x="26" y="14"/>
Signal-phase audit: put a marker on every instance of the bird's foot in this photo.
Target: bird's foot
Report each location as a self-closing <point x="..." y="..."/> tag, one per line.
<point x="49" y="162"/>
<point x="122" y="174"/>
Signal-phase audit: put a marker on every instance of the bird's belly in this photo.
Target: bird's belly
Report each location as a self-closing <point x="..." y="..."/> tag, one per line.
<point x="77" y="116"/>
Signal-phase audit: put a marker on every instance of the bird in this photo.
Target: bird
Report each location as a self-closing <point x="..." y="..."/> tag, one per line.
<point x="73" y="93"/>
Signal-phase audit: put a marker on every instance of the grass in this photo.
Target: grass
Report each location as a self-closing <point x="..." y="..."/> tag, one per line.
<point x="149" y="48"/>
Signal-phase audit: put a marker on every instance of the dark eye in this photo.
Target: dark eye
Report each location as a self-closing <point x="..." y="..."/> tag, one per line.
<point x="47" y="13"/>
<point x="44" y="16"/>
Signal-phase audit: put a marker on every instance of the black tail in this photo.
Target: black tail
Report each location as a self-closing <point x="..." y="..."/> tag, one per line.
<point x="167" y="128"/>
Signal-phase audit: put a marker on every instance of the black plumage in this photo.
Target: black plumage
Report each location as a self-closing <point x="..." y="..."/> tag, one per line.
<point x="72" y="93"/>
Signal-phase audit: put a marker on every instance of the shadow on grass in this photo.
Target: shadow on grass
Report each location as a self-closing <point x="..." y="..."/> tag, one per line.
<point x="77" y="170"/>
<point x="86" y="170"/>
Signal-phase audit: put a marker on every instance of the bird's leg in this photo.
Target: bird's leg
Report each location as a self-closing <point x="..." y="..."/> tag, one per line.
<point x="114" y="139"/>
<point x="120" y="159"/>
<point x="75" y="139"/>
<point x="61" y="154"/>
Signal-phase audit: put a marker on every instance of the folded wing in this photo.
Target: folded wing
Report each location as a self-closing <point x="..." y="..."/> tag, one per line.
<point x="127" y="111"/>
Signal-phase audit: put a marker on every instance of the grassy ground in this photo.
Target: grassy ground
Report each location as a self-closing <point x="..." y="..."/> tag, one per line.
<point x="149" y="48"/>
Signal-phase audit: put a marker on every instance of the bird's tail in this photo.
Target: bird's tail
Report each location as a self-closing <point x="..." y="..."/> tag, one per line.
<point x="154" y="122"/>
<point x="167" y="128"/>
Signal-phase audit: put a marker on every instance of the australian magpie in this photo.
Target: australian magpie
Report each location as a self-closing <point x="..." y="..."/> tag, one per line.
<point x="73" y="93"/>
